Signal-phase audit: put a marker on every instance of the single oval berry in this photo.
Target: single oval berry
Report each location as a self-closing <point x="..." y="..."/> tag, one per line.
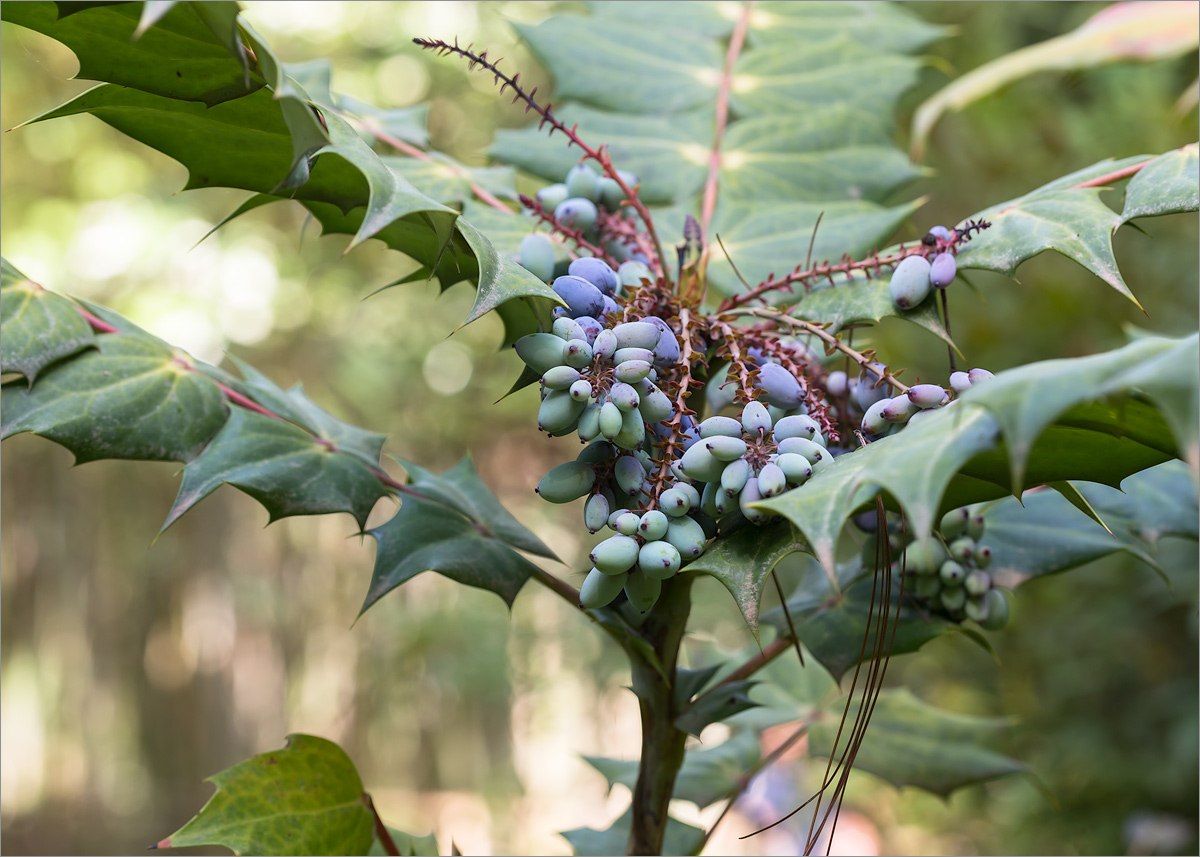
<point x="942" y="270"/>
<point x="910" y="282"/>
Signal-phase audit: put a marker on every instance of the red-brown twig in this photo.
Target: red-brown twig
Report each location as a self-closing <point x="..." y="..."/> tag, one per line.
<point x="599" y="155"/>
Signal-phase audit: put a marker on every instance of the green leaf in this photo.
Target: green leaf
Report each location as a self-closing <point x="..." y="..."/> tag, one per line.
<point x="1045" y="534"/>
<point x="833" y="622"/>
<point x="463" y="490"/>
<point x="405" y="123"/>
<point x="294" y="406"/>
<point x="668" y="153"/>
<point x="1170" y="184"/>
<point x="304" y="799"/>
<point x="825" y="153"/>
<point x="1115" y="34"/>
<point x="742" y="560"/>
<point x="407" y="844"/>
<point x="502" y="279"/>
<point x="37" y="327"/>
<point x="861" y="300"/>
<point x="883" y="26"/>
<point x="911" y="743"/>
<point x="1105" y="441"/>
<point x="179" y="57"/>
<point x="281" y="466"/>
<point x="625" y="68"/>
<point x="688" y="682"/>
<point x="772" y="238"/>
<point x="1072" y="221"/>
<point x="680" y="838"/>
<point x="778" y="79"/>
<point x="705" y="777"/>
<point x="428" y="536"/>
<point x="715" y="705"/>
<point x="130" y="398"/>
<point x="448" y="181"/>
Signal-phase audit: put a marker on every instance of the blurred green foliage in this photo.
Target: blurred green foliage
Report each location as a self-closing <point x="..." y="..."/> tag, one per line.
<point x="134" y="667"/>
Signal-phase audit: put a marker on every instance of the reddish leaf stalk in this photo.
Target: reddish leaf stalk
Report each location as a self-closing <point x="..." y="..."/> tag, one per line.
<point x="714" y="159"/>
<point x="412" y="151"/>
<point x="381" y="831"/>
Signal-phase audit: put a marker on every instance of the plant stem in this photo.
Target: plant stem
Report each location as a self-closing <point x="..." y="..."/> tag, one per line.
<point x="662" y="740"/>
<point x="381" y="831"/>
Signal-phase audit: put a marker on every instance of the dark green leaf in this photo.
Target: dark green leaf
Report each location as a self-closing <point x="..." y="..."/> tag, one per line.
<point x="294" y="406"/>
<point x="706" y="776"/>
<point x="131" y="398"/>
<point x="304" y="799"/>
<point x="501" y="279"/>
<point x="37" y="327"/>
<point x="688" y="682"/>
<point x="743" y="559"/>
<point x="1170" y="184"/>
<point x="281" y="466"/>
<point x="1104" y="440"/>
<point x="1070" y="220"/>
<point x="428" y="536"/>
<point x="407" y="844"/>
<point x="463" y="490"/>
<point x="680" y="838"/>
<point x="179" y="57"/>
<point x="1045" y="534"/>
<point x="715" y="705"/>
<point x="910" y="743"/>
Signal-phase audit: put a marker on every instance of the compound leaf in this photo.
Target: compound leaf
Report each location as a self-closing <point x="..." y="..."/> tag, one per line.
<point x="461" y="488"/>
<point x="428" y="536"/>
<point x="680" y="838"/>
<point x="1170" y="184"/>
<point x="180" y="56"/>
<point x="129" y="398"/>
<point x="706" y="776"/>
<point x="742" y="560"/>
<point x="304" y="799"/>
<point x="37" y="327"/>
<point x="911" y="743"/>
<point x="281" y="466"/>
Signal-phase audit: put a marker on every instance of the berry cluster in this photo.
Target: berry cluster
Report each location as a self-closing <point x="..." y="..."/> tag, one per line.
<point x="883" y="415"/>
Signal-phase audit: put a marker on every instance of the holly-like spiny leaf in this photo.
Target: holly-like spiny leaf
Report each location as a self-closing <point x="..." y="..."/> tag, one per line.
<point x="281" y="466"/>
<point x="1073" y="221"/>
<point x="742" y="560"/>
<point x="706" y="776"/>
<point x="461" y="488"/>
<point x="294" y="406"/>
<point x="129" y="398"/>
<point x="1170" y="184"/>
<point x="911" y="743"/>
<point x="37" y="327"/>
<point x="304" y="799"/>
<point x="773" y="238"/>
<point x="680" y="838"/>
<point x="1044" y="534"/>
<point x="626" y="69"/>
<point x="917" y="465"/>
<point x="181" y="56"/>
<point x="428" y="536"/>
<point x="715" y="705"/>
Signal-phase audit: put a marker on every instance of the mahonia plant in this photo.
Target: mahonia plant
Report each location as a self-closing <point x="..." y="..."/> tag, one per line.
<point x="721" y="429"/>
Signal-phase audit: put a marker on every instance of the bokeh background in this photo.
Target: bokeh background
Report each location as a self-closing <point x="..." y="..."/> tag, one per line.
<point x="135" y="666"/>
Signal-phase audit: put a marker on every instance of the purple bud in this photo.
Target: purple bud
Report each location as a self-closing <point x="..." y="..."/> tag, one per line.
<point x="780" y="386"/>
<point x="927" y="396"/>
